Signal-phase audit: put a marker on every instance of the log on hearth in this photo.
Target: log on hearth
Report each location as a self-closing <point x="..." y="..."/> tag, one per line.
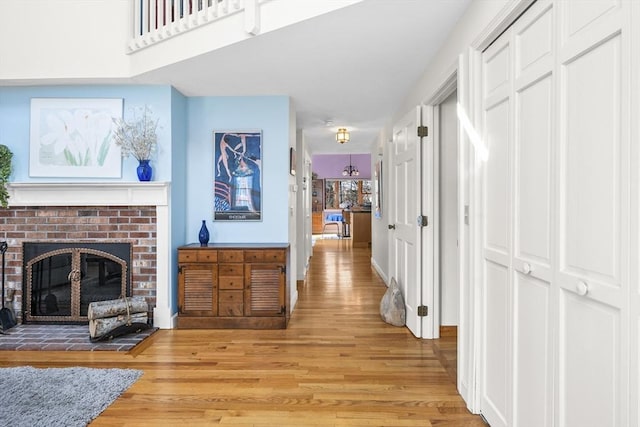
<point x="112" y="318"/>
<point x="111" y="327"/>
<point x="117" y="307"/>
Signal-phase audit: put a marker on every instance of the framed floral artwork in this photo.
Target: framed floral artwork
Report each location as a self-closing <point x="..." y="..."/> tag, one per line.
<point x="377" y="188"/>
<point x="237" y="172"/>
<point x="73" y="138"/>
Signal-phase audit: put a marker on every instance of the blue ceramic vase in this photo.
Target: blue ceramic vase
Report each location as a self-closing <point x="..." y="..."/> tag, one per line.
<point x="144" y="171"/>
<point x="203" y="236"/>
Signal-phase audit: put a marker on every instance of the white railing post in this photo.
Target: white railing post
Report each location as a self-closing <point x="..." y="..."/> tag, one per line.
<point x="137" y="14"/>
<point x="184" y="14"/>
<point x="153" y="19"/>
<point x="223" y="6"/>
<point x="251" y="17"/>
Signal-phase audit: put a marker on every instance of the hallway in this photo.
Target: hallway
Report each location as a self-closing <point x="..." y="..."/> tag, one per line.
<point x="337" y="364"/>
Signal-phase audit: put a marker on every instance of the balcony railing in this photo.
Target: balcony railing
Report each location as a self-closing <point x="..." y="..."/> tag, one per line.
<point x="157" y="20"/>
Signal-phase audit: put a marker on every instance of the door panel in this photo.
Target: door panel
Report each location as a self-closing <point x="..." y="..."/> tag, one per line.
<point x="589" y="393"/>
<point x="534" y="41"/>
<point x="533" y="364"/>
<point x="496" y="66"/>
<point x="533" y="173"/>
<point x="495" y="394"/>
<point x="592" y="166"/>
<point x="406" y="246"/>
<point x="497" y="178"/>
<point x="580" y="17"/>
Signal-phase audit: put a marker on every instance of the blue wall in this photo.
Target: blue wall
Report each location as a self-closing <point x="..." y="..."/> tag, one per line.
<point x="15" y="119"/>
<point x="178" y="196"/>
<point x="270" y="114"/>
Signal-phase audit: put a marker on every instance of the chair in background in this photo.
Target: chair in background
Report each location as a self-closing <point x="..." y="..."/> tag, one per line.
<point x="333" y="218"/>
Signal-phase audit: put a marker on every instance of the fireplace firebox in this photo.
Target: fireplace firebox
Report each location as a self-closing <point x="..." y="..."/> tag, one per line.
<point x="61" y="279"/>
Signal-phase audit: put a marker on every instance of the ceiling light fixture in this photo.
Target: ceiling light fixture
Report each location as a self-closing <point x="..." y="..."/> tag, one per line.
<point x="342" y="136"/>
<point x="350" y="170"/>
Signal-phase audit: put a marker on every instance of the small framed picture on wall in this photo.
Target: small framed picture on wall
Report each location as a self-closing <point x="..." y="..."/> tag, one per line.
<point x="292" y="161"/>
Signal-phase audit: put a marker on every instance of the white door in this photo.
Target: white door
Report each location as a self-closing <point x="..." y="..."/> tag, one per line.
<point x="405" y="208"/>
<point x="593" y="224"/>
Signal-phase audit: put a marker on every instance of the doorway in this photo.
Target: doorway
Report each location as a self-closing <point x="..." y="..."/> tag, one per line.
<point x="448" y="259"/>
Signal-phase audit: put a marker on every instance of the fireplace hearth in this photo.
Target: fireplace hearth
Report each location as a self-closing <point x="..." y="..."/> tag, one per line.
<point x="61" y="279"/>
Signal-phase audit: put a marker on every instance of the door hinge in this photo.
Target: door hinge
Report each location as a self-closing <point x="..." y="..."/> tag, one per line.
<point x="423" y="220"/>
<point x="283" y="309"/>
<point x="180" y="269"/>
<point x="423" y="131"/>
<point x="423" y="310"/>
<point x="283" y="269"/>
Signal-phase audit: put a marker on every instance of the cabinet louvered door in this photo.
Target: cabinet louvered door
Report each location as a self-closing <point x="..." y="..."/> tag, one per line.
<point x="198" y="293"/>
<point x="264" y="290"/>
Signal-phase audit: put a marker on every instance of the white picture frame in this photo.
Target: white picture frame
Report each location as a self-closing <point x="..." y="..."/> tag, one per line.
<point x="73" y="138"/>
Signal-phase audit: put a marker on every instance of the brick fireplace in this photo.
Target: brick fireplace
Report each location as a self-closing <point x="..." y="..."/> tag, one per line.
<point x="135" y="213"/>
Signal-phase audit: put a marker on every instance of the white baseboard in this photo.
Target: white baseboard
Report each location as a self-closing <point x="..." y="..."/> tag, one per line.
<point x="378" y="270"/>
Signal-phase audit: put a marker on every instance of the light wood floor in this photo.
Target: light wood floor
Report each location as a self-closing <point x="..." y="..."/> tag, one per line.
<point x="337" y="364"/>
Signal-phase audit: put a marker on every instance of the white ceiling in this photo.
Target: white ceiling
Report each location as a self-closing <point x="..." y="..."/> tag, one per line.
<point x="353" y="66"/>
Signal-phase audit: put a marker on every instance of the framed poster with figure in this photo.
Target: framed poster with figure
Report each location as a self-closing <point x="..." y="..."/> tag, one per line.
<point x="237" y="172"/>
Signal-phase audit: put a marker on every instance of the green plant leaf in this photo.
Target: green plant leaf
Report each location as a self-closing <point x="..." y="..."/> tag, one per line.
<point x="104" y="149"/>
<point x="6" y="167"/>
<point x="71" y="160"/>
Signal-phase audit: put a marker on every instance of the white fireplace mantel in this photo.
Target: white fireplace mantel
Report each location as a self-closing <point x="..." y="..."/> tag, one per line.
<point x="88" y="193"/>
<point x="113" y="194"/>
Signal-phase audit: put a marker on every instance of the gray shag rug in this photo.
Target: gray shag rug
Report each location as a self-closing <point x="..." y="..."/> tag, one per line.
<point x="60" y="396"/>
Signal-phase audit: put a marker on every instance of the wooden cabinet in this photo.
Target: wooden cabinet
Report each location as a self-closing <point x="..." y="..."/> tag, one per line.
<point x="316" y="222"/>
<point x="360" y="228"/>
<point x="317" y="195"/>
<point x="233" y="286"/>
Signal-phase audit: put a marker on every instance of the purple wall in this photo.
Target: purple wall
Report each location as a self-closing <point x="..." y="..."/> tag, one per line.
<point x="332" y="165"/>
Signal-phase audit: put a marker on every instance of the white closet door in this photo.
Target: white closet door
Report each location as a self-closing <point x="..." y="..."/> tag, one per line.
<point x="593" y="238"/>
<point x="496" y="245"/>
<point x="533" y="218"/>
<point x="559" y="250"/>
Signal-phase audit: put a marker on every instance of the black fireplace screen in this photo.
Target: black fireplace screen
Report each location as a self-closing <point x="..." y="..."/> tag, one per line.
<point x="61" y="279"/>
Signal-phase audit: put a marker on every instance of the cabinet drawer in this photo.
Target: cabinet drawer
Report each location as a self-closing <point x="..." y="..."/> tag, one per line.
<point x="197" y="256"/>
<point x="187" y="256"/>
<point x="207" y="256"/>
<point x="254" y="256"/>
<point x="231" y="282"/>
<point x="231" y="303"/>
<point x="230" y="270"/>
<point x="275" y="255"/>
<point x="230" y="256"/>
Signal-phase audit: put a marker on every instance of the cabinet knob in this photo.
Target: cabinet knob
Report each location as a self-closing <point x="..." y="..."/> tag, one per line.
<point x="582" y="288"/>
<point x="526" y="268"/>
